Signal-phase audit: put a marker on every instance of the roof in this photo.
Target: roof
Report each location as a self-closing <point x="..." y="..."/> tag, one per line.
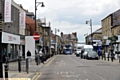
<point x="31" y="23"/>
<point x="69" y="36"/>
<point x="98" y="30"/>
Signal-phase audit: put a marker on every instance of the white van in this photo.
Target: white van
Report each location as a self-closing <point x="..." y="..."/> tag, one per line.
<point x="85" y="49"/>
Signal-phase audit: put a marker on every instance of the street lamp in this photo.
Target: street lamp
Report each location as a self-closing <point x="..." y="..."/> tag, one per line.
<point x="86" y="38"/>
<point x="90" y="22"/>
<point x="36" y="5"/>
<point x="56" y="30"/>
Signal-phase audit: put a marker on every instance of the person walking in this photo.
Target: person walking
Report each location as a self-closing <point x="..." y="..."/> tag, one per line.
<point x="29" y="55"/>
<point x="41" y="56"/>
<point x="112" y="55"/>
<point x="4" y="55"/>
<point x="103" y="54"/>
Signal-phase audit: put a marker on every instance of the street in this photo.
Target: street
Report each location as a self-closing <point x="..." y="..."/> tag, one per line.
<point x="70" y="67"/>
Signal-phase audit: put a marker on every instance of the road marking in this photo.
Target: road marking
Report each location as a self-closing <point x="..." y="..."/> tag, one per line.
<point x="76" y="61"/>
<point x="37" y="76"/>
<point x="50" y="61"/>
<point x="99" y="77"/>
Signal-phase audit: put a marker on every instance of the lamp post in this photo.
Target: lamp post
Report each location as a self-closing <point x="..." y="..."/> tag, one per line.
<point x="90" y="22"/>
<point x="36" y="5"/>
<point x="86" y="35"/>
<point x="56" y="30"/>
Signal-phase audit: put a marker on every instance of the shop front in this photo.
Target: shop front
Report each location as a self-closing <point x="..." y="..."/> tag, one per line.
<point x="10" y="43"/>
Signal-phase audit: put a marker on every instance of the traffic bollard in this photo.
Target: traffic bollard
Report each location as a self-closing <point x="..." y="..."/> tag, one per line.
<point x="27" y="65"/>
<point x="6" y="70"/>
<point x="37" y="61"/>
<point x="19" y="64"/>
<point x="119" y="59"/>
<point x="108" y="57"/>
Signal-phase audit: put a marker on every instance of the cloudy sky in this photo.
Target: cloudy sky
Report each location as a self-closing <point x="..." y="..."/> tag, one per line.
<point x="70" y="15"/>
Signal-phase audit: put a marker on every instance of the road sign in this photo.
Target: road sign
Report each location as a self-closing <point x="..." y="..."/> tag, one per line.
<point x="36" y="36"/>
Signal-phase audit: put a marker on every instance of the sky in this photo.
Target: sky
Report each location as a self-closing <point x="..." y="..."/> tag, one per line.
<point x="69" y="16"/>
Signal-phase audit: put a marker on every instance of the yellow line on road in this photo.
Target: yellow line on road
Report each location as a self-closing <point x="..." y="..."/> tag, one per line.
<point x="35" y="76"/>
<point x="38" y="76"/>
<point x="50" y="61"/>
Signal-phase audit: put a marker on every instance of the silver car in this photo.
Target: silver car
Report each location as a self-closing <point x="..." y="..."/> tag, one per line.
<point x="92" y="55"/>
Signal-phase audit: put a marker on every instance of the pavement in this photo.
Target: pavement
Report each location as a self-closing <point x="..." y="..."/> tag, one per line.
<point x="33" y="74"/>
<point x="34" y="70"/>
<point x="115" y="61"/>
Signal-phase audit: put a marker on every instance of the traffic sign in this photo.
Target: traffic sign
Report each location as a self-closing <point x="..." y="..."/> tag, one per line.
<point x="36" y="36"/>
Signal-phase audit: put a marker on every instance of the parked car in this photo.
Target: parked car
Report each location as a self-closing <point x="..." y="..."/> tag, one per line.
<point x="85" y="50"/>
<point x="77" y="52"/>
<point x="92" y="55"/>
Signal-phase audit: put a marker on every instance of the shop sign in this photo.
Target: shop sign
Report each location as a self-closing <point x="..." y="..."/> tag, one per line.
<point x="105" y="37"/>
<point x="7" y="11"/>
<point x="10" y="38"/>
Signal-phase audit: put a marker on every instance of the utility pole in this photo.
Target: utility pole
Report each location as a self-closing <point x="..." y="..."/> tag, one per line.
<point x="91" y="37"/>
<point x="56" y="40"/>
<point x="49" y="39"/>
<point x="91" y="31"/>
<point x="36" y="9"/>
<point x="35" y="14"/>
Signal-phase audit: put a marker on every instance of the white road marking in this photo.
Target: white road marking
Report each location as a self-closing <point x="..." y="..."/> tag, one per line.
<point x="76" y="61"/>
<point x="72" y="72"/>
<point x="99" y="77"/>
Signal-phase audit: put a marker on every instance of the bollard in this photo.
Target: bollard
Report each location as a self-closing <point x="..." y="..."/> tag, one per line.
<point x="27" y="65"/>
<point x="119" y="59"/>
<point x="19" y="64"/>
<point x="6" y="70"/>
<point x="108" y="57"/>
<point x="37" y="60"/>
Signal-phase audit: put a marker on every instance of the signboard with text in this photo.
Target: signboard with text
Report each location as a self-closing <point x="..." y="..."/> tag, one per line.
<point x="22" y="19"/>
<point x="10" y="38"/>
<point x="7" y="11"/>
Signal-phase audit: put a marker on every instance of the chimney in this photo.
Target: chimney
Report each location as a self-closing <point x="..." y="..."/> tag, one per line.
<point x="69" y="36"/>
<point x="75" y="34"/>
<point x="21" y="6"/>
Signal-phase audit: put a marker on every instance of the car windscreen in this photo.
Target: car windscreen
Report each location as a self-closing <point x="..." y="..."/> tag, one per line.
<point x="67" y="49"/>
<point x="92" y="53"/>
<point x="88" y="49"/>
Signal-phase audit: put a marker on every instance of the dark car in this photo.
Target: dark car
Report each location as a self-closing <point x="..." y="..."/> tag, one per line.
<point x="92" y="55"/>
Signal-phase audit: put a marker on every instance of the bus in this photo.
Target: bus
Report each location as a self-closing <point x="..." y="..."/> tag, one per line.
<point x="67" y="49"/>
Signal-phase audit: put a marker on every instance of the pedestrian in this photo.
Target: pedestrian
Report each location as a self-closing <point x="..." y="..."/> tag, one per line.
<point x="103" y="54"/>
<point x="112" y="55"/>
<point x="41" y="55"/>
<point x="29" y="55"/>
<point x="4" y="55"/>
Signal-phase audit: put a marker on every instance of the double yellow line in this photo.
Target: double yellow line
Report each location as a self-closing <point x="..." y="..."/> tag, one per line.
<point x="50" y="61"/>
<point x="37" y="76"/>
